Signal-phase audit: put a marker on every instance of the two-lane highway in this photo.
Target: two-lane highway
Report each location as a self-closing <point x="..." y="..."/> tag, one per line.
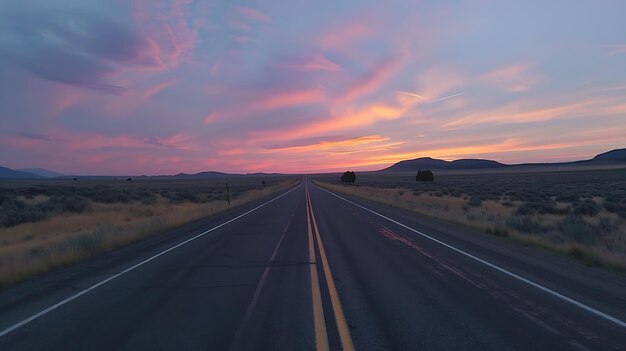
<point x="309" y="269"/>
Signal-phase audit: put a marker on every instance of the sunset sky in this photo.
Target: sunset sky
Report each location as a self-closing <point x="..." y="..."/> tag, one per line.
<point x="161" y="87"/>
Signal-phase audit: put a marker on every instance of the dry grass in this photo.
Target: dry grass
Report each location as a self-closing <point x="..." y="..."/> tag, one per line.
<point x="549" y="231"/>
<point x="36" y="247"/>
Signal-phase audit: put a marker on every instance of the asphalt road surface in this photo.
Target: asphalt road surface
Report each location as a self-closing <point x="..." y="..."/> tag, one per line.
<point x="313" y="270"/>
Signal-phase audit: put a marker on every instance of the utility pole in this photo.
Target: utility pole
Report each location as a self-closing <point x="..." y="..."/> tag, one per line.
<point x="228" y="193"/>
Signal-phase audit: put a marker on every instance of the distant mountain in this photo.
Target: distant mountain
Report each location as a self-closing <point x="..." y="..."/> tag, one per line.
<point x="424" y="163"/>
<point x="613" y="155"/>
<point x="8" y="173"/>
<point x="263" y="174"/>
<point x="416" y="164"/>
<point x="41" y="172"/>
<point x="474" y="163"/>
<point x="205" y="175"/>
<point x="617" y="157"/>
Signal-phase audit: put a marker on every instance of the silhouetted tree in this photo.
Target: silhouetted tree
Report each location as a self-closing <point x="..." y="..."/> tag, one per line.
<point x="129" y="179"/>
<point x="348" y="177"/>
<point x="424" y="176"/>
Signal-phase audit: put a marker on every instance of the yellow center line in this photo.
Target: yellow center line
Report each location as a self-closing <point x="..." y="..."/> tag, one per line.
<point x="340" y="318"/>
<point x="319" y="323"/>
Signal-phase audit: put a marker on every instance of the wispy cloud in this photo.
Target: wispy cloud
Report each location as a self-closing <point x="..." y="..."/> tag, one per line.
<point x="445" y="98"/>
<point x="328" y="142"/>
<point x="252" y="13"/>
<point x="517" y="77"/>
<point x="616" y="49"/>
<point x="412" y="94"/>
<point x="316" y="62"/>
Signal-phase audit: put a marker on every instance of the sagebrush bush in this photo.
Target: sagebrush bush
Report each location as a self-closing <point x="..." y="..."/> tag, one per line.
<point x="575" y="228"/>
<point x="525" y="224"/>
<point x="475" y="201"/>
<point x="617" y="208"/>
<point x="587" y="208"/>
<point x="70" y="203"/>
<point x="14" y="212"/>
<point x="545" y="206"/>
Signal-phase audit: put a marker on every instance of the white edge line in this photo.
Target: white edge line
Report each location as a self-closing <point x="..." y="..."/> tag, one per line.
<point x="509" y="273"/>
<point x="77" y="295"/>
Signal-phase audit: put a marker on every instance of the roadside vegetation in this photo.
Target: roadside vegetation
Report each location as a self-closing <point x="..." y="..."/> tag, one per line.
<point x="47" y="224"/>
<point x="577" y="213"/>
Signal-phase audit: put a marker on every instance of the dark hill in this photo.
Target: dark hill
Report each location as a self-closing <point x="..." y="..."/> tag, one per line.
<point x="613" y="155"/>
<point x="473" y="163"/>
<point x="435" y="164"/>
<point x="205" y="175"/>
<point x="418" y="163"/>
<point x="8" y="173"/>
<point x="41" y="172"/>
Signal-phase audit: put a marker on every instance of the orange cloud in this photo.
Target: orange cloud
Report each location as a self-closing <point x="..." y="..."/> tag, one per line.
<point x="266" y="102"/>
<point x="514" y="78"/>
<point x="324" y="145"/>
<point x="507" y="145"/>
<point x="519" y="113"/>
<point x="352" y="118"/>
<point x="290" y="98"/>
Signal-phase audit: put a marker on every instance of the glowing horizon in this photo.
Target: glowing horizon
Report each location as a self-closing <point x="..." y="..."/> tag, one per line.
<point x="162" y="87"/>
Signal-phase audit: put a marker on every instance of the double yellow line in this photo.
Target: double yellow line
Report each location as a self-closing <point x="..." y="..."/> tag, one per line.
<point x="321" y="336"/>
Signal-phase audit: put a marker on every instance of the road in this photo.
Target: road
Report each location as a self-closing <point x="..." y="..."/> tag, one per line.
<point x="313" y="270"/>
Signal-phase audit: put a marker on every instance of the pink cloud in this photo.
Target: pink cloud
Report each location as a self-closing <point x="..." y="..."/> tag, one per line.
<point x="514" y="78"/>
<point x="438" y="82"/>
<point x="324" y="144"/>
<point x="259" y="101"/>
<point x="346" y="34"/>
<point x="370" y="82"/>
<point x="616" y="49"/>
<point x="211" y="117"/>
<point x="241" y="39"/>
<point x="55" y="99"/>
<point x="81" y="141"/>
<point x="290" y="98"/>
<point x="171" y="35"/>
<point x="21" y="142"/>
<point x="252" y="13"/>
<point x="157" y="88"/>
<point x="345" y="119"/>
<point x="317" y="62"/>
<point x="520" y="112"/>
<point x="135" y="98"/>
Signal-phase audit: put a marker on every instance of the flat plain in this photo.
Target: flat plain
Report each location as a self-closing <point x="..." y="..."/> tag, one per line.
<point x="577" y="212"/>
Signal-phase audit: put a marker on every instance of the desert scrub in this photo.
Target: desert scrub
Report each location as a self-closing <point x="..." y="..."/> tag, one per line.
<point x="15" y="211"/>
<point x="578" y="213"/>
<point x="59" y="227"/>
